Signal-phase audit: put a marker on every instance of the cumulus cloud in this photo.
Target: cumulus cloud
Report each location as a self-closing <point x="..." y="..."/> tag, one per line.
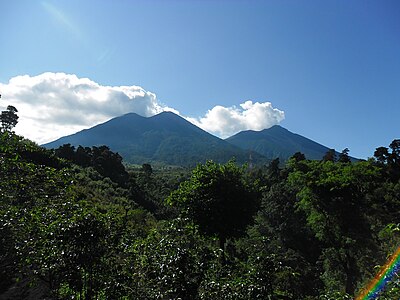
<point x="226" y="121"/>
<point x="52" y="105"/>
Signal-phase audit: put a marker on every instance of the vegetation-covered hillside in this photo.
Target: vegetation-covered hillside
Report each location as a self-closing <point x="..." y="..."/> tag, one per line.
<point x="163" y="139"/>
<point x="277" y="142"/>
<point x="76" y="224"/>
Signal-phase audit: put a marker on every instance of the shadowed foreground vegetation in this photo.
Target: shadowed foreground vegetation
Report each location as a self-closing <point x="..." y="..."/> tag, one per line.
<point x="77" y="224"/>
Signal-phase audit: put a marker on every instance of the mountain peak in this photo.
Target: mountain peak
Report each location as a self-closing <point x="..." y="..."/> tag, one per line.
<point x="165" y="138"/>
<point x="278" y="142"/>
<point x="166" y="115"/>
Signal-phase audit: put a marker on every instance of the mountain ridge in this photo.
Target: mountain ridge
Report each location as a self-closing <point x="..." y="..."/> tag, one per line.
<point x="278" y="142"/>
<point x="168" y="139"/>
<point x="165" y="138"/>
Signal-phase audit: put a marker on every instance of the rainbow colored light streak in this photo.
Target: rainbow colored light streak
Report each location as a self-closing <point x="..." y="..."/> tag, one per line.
<point x="385" y="275"/>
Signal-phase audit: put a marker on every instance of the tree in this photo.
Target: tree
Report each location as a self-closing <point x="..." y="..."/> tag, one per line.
<point x="9" y="118"/>
<point x="102" y="159"/>
<point x="171" y="262"/>
<point x="218" y="199"/>
<point x="381" y="154"/>
<point x="395" y="146"/>
<point x="147" y="169"/>
<point x="66" y="151"/>
<point x="273" y="168"/>
<point x="334" y="198"/>
<point x="344" y="156"/>
<point x="330" y="155"/>
<point x="282" y="228"/>
<point x="390" y="161"/>
<point x="298" y="156"/>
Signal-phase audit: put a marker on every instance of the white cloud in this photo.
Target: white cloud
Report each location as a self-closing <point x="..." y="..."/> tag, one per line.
<point x="52" y="105"/>
<point x="226" y="121"/>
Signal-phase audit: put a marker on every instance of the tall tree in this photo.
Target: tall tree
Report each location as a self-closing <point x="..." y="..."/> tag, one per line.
<point x="218" y="199"/>
<point x="395" y="156"/>
<point x="9" y="118"/>
<point x="390" y="160"/>
<point x="334" y="198"/>
<point x="330" y="155"/>
<point x="298" y="156"/>
<point x="381" y="154"/>
<point x="344" y="156"/>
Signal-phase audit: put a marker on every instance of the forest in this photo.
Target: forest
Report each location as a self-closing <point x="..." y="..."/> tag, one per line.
<point x="77" y="223"/>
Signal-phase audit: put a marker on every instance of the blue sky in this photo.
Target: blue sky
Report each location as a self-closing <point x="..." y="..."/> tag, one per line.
<point x="332" y="67"/>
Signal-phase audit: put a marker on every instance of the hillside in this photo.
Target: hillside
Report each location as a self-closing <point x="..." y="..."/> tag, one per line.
<point x="277" y="142"/>
<point x="296" y="232"/>
<point x="165" y="138"/>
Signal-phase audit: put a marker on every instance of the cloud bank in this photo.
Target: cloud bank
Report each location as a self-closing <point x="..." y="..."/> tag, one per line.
<point x="52" y="105"/>
<point x="226" y="121"/>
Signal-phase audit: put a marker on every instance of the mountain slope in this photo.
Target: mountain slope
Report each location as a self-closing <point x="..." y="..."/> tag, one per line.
<point x="164" y="138"/>
<point x="277" y="142"/>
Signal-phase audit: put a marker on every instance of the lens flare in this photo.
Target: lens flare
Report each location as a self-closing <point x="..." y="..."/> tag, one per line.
<point x="385" y="275"/>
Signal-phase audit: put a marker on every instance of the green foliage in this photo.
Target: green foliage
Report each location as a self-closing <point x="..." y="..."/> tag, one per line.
<point x="218" y="199"/>
<point x="60" y="230"/>
<point x="8" y="118"/>
<point x="284" y="233"/>
<point x="66" y="245"/>
<point x="344" y="156"/>
<point x="92" y="230"/>
<point x="390" y="161"/>
<point x="170" y="262"/>
<point x="102" y="159"/>
<point x="334" y="200"/>
<point x="25" y="186"/>
<point x="149" y="190"/>
<point x="334" y="195"/>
